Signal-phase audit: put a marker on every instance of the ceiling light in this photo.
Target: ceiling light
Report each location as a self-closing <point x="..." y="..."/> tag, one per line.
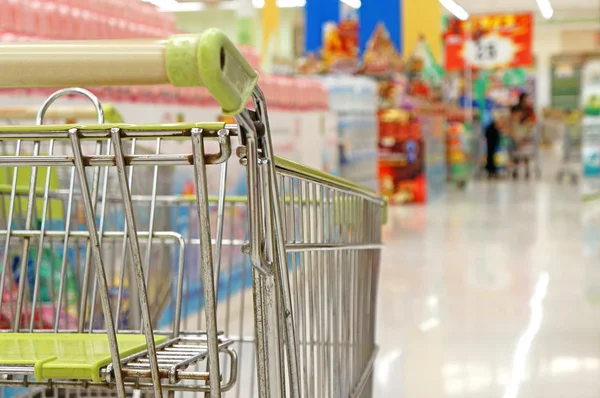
<point x="281" y="3"/>
<point x="456" y="10"/>
<point x="352" y="3"/>
<point x="545" y="8"/>
<point x="163" y="3"/>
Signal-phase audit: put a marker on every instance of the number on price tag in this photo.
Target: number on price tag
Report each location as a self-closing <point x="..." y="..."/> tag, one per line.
<point x="489" y="51"/>
<point x="486" y="51"/>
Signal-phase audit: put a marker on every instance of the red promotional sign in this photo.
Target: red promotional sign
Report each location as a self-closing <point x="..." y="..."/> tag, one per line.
<point x="489" y="42"/>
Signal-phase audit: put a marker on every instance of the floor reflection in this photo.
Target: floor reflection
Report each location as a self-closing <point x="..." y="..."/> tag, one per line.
<point x="492" y="292"/>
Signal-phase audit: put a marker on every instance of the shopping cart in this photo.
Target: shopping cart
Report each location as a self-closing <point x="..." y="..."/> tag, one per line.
<point x="20" y="114"/>
<point x="104" y="291"/>
<point x="571" y="152"/>
<point x="527" y="152"/>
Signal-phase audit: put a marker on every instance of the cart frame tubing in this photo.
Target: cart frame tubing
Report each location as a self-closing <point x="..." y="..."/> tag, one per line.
<point x="278" y="300"/>
<point x="268" y="252"/>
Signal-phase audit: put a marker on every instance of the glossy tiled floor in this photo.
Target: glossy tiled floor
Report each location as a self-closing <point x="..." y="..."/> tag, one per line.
<point x="492" y="292"/>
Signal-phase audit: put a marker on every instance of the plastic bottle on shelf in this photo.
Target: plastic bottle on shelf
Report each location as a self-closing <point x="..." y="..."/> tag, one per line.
<point x="110" y="8"/>
<point x="26" y="18"/>
<point x="314" y="94"/>
<point x="194" y="93"/>
<point x="97" y="25"/>
<point x="203" y="95"/>
<point x="184" y="95"/>
<point x="323" y="101"/>
<point x="79" y="29"/>
<point x="300" y="94"/>
<point x="123" y="31"/>
<point x="131" y="13"/>
<point x="296" y="93"/>
<point x="311" y="98"/>
<point x="194" y="96"/>
<point x="304" y="93"/>
<point x="169" y="23"/>
<point x="291" y="99"/>
<point x="51" y="18"/>
<point x="153" y="17"/>
<point x="279" y="88"/>
<point x="4" y="18"/>
<point x="65" y="27"/>
<point x="91" y="5"/>
<point x="10" y="16"/>
<point x="91" y="23"/>
<point x="317" y="95"/>
<point x="72" y="3"/>
<point x="99" y="7"/>
<point x="133" y="29"/>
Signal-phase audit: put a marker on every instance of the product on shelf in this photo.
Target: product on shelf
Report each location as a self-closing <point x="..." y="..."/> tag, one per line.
<point x="354" y="100"/>
<point x="83" y="19"/>
<point x="412" y="152"/>
<point x="459" y="146"/>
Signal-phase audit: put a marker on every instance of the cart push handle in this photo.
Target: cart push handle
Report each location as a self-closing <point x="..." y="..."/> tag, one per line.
<point x="208" y="59"/>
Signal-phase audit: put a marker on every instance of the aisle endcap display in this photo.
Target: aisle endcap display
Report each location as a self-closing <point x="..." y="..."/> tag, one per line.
<point x="412" y="151"/>
<point x="463" y="144"/>
<point x="354" y="100"/>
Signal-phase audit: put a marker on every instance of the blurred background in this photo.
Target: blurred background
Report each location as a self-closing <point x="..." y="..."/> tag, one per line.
<point x="479" y="121"/>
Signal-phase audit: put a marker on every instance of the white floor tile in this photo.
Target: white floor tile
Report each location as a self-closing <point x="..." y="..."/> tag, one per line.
<point x="492" y="292"/>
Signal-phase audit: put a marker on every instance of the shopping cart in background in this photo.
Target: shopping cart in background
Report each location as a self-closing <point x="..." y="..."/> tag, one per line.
<point x="526" y="154"/>
<point x="537" y="148"/>
<point x="570" y="150"/>
<point x="551" y="126"/>
<point x="105" y="292"/>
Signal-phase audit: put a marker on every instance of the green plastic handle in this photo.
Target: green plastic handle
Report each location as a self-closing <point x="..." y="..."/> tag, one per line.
<point x="211" y="60"/>
<point x="208" y="59"/>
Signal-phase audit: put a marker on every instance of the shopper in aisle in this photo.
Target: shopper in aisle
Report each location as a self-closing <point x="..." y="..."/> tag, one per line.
<point x="493" y="135"/>
<point x="520" y="129"/>
<point x="527" y="112"/>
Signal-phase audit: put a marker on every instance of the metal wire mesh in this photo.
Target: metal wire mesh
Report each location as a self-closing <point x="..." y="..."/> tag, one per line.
<point x="332" y="242"/>
<point x="50" y="279"/>
<point x="79" y="207"/>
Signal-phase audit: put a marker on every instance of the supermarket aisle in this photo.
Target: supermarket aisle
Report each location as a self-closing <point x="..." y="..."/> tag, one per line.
<point x="491" y="293"/>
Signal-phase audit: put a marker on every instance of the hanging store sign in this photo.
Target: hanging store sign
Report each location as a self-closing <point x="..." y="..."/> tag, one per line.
<point x="489" y="42"/>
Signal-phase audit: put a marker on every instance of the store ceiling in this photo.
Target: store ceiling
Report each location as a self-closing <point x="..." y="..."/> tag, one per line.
<point x="199" y="5"/>
<point x="563" y="9"/>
